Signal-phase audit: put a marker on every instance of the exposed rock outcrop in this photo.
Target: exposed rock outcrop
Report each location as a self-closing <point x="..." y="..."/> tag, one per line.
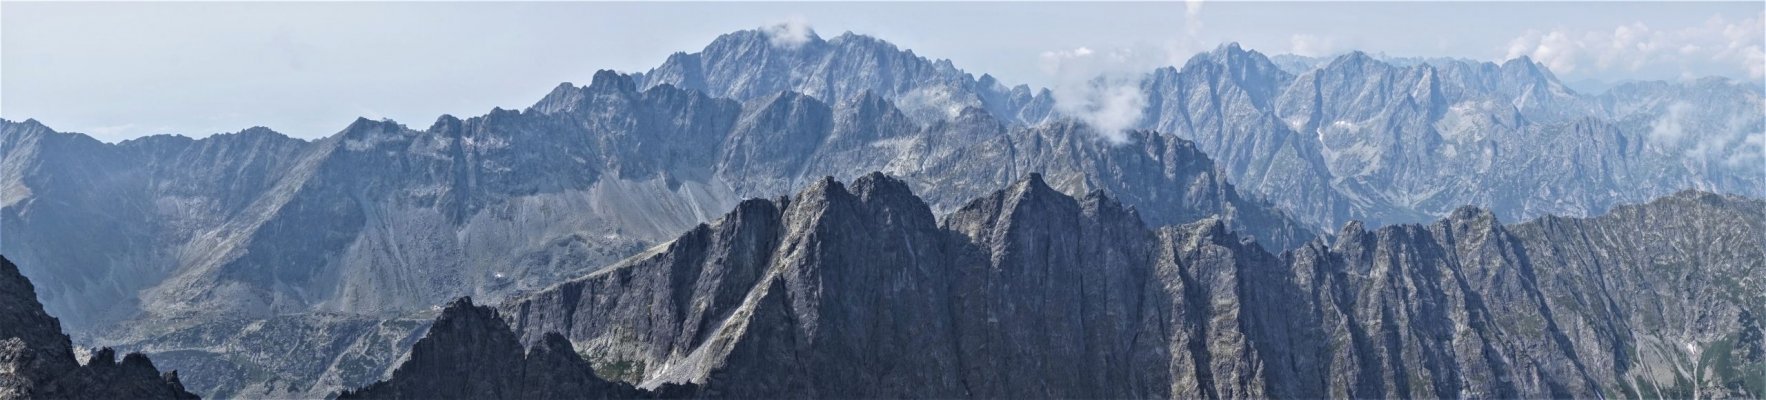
<point x="856" y="291"/>
<point x="37" y="359"/>
<point x="470" y="353"/>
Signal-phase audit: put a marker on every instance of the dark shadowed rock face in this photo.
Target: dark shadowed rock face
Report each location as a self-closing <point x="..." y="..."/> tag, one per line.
<point x="470" y="353"/>
<point x="856" y="291"/>
<point x="37" y="360"/>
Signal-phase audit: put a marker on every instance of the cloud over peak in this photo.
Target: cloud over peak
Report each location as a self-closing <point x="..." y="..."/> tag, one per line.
<point x="1103" y="89"/>
<point x="791" y="33"/>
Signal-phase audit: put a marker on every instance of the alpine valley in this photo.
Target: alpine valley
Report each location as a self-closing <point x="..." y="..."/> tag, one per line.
<point x="841" y="218"/>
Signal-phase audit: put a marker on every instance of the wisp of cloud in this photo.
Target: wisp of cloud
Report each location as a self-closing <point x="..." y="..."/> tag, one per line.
<point x="791" y="33"/>
<point x="1101" y="89"/>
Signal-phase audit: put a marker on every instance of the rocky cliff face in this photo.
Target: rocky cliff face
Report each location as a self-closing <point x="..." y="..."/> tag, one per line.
<point x="470" y="353"/>
<point x="37" y="360"/>
<point x="858" y="291"/>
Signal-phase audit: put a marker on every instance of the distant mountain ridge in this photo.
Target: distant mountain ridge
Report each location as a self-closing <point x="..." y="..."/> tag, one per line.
<point x="259" y="224"/>
<point x="745" y="65"/>
<point x="1333" y="139"/>
<point x="1357" y="138"/>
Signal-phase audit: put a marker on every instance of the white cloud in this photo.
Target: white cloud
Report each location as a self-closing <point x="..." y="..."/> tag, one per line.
<point x="1668" y="128"/>
<point x="791" y="33"/>
<point x="1705" y="135"/>
<point x="1103" y="89"/>
<point x="1635" y="46"/>
<point x="1312" y="45"/>
<point x="1751" y="152"/>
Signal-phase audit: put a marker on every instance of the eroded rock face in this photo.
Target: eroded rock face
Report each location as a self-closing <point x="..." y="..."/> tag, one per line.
<point x="470" y="353"/>
<point x="856" y="291"/>
<point x="37" y="360"/>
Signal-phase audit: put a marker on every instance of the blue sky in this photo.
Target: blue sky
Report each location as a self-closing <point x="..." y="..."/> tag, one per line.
<point x="123" y="70"/>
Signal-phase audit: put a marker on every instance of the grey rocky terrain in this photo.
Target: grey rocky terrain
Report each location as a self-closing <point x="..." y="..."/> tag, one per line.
<point x="858" y="291"/>
<point x="37" y="360"/>
<point x="308" y="355"/>
<point x="1358" y="138"/>
<point x="1334" y="139"/>
<point x="470" y="353"/>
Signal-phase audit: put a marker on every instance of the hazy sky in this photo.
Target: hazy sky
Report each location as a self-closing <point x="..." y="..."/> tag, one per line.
<point x="123" y="70"/>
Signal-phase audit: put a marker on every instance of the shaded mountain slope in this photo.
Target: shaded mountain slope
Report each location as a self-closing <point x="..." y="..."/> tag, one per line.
<point x="470" y="354"/>
<point x="857" y="291"/>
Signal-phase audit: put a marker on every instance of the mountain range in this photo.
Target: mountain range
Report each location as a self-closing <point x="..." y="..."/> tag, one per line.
<point x="1351" y="137"/>
<point x="858" y="291"/>
<point x="192" y="250"/>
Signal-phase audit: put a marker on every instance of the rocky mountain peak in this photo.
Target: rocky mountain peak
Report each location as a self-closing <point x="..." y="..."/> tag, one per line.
<point x="470" y="353"/>
<point x="878" y="186"/>
<point x="28" y="125"/>
<point x="364" y="127"/>
<point x="1523" y="70"/>
<point x="1471" y="213"/>
<point x="1031" y="186"/>
<point x="1472" y="221"/>
<point x="37" y="359"/>
<point x="748" y="65"/>
<point x="446" y="124"/>
<point x="261" y="131"/>
<point x="607" y="80"/>
<point x="1211" y="231"/>
<point x="564" y="97"/>
<point x="1235" y="58"/>
<point x="825" y="188"/>
<point x="870" y="106"/>
<point x="1354" y="61"/>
